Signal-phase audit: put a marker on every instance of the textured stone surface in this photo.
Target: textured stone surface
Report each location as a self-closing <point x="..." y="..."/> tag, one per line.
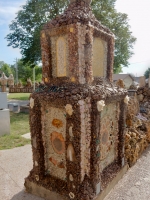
<point x="85" y="107"/>
<point x="54" y="139"/>
<point x="109" y="135"/>
<point x="99" y="57"/>
<point x="137" y="121"/>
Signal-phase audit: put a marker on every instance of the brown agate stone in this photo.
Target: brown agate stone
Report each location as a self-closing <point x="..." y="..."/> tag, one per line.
<point x="57" y="123"/>
<point x="58" y="142"/>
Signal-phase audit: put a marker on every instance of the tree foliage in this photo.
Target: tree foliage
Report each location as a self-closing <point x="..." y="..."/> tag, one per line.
<point x="147" y="73"/>
<point x="25" y="28"/>
<point x="25" y="71"/>
<point x="4" y="67"/>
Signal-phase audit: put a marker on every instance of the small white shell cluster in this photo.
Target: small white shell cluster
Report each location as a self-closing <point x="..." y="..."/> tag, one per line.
<point x="126" y="100"/>
<point x="100" y="105"/>
<point x="37" y="177"/>
<point x="69" y="109"/>
<point x="71" y="195"/>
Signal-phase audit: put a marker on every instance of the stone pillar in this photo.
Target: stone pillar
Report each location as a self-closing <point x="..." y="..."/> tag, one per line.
<point x="4" y="82"/>
<point x="142" y="81"/>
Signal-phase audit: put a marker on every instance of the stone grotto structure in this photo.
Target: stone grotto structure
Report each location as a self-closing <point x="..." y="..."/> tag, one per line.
<point x="77" y="116"/>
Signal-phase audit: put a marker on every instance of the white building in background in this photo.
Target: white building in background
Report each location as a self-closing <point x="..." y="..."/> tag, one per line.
<point x="127" y="79"/>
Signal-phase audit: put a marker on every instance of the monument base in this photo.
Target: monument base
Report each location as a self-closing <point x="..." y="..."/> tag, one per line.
<point x="40" y="191"/>
<point x="3" y="100"/>
<point x="4" y="122"/>
<point x="112" y="184"/>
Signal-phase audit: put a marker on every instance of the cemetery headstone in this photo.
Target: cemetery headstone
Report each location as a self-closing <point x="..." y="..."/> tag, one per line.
<point x="4" y="115"/>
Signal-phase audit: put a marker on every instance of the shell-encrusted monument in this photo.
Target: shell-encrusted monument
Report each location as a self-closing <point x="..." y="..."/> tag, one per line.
<point x="77" y="116"/>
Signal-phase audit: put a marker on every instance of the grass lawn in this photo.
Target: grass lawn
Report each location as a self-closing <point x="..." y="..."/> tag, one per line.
<point x="19" y="125"/>
<point x="19" y="96"/>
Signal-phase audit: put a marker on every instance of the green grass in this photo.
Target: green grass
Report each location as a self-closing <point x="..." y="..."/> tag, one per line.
<point x="19" y="96"/>
<point x="19" y="125"/>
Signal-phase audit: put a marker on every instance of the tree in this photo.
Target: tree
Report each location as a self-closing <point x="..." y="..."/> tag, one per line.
<point x="4" y="67"/>
<point x="25" y="71"/>
<point x="25" y="29"/>
<point x="147" y="73"/>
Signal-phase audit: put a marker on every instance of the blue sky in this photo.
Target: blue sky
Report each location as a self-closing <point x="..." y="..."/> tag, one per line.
<point x="139" y="20"/>
<point x="8" y="10"/>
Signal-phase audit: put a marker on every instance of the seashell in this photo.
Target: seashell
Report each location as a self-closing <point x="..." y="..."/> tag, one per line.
<point x="126" y="100"/>
<point x="71" y="153"/>
<point x="37" y="178"/>
<point x="36" y="163"/>
<point x="70" y="131"/>
<point x="31" y="102"/>
<point x="100" y="105"/>
<point x="71" y="195"/>
<point x="70" y="177"/>
<point x="81" y="102"/>
<point x="69" y="109"/>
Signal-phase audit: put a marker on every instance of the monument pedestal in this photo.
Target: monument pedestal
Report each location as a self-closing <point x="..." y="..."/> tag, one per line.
<point x="3" y="100"/>
<point x="4" y="115"/>
<point x="4" y="122"/>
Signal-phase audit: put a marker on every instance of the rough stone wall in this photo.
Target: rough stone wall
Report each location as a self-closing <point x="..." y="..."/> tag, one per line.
<point x="144" y="100"/>
<point x="138" y="125"/>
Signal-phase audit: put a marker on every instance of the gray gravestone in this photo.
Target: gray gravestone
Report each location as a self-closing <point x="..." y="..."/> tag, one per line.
<point x="3" y="100"/>
<point x="4" y="115"/>
<point x="4" y="122"/>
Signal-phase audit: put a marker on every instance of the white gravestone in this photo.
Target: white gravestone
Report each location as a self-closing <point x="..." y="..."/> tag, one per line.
<point x="3" y="100"/>
<point x="4" y="115"/>
<point x="4" y="122"/>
